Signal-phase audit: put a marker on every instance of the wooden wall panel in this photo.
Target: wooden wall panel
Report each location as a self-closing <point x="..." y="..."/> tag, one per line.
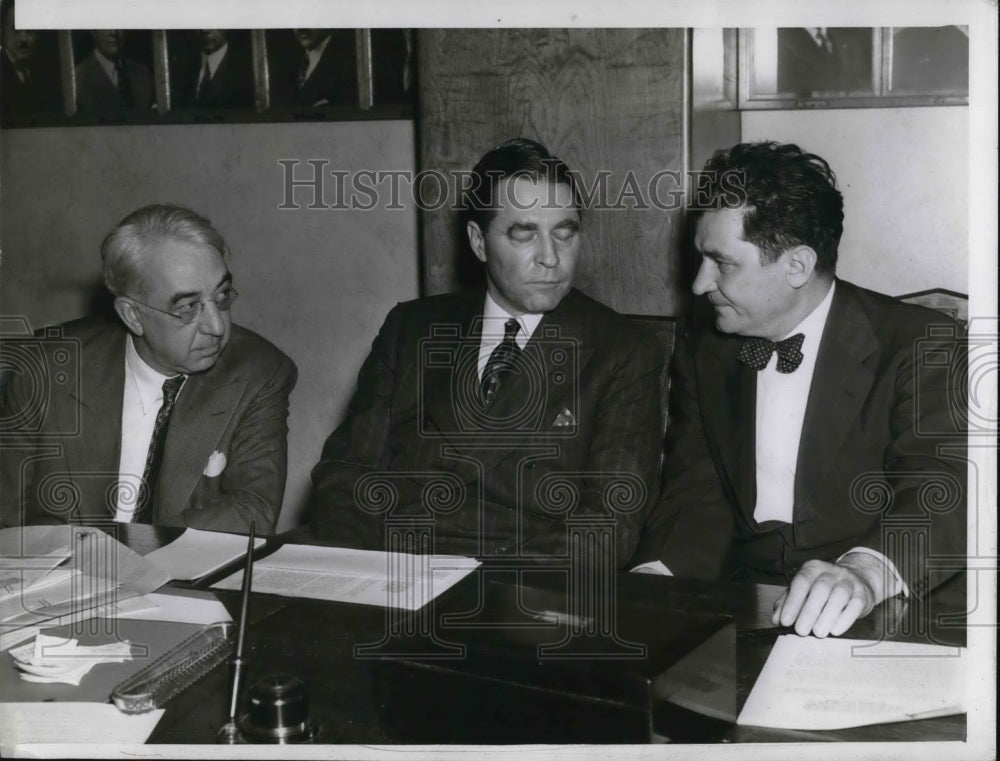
<point x="601" y="99"/>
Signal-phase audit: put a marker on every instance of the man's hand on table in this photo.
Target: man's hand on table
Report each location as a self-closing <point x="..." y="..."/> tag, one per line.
<point x="827" y="598"/>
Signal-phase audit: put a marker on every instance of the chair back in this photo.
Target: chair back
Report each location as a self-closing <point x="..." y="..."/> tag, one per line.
<point x="666" y="330"/>
<point x="955" y="305"/>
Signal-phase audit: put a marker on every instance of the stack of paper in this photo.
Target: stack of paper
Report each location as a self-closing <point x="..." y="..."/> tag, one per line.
<point x="51" y="659"/>
<point x="197" y="553"/>
<point x="386" y="579"/>
<point x="25" y="727"/>
<point x="59" y="573"/>
<point x="832" y="683"/>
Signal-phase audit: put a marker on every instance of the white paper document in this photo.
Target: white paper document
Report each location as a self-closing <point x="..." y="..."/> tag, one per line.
<point x="811" y="683"/>
<point x="99" y="571"/>
<point x="196" y="553"/>
<point x="182" y="609"/>
<point x="386" y="579"/>
<point x="23" y="724"/>
<point x="127" y="608"/>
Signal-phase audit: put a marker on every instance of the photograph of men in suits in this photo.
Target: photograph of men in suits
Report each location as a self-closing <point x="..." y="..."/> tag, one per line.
<point x="502" y="414"/>
<point x="801" y="402"/>
<point x="181" y="415"/>
<point x="824" y="59"/>
<point x="318" y="69"/>
<point x="215" y="72"/>
<point x="108" y="82"/>
<point x="29" y="79"/>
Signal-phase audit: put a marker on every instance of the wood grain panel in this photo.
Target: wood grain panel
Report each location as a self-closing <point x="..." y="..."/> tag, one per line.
<point x="604" y="100"/>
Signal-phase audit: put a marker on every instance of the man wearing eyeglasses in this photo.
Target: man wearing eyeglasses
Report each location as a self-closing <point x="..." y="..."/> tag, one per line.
<point x="173" y="416"/>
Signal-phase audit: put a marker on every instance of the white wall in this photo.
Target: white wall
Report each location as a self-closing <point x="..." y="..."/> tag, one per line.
<point x="315" y="282"/>
<point x="904" y="176"/>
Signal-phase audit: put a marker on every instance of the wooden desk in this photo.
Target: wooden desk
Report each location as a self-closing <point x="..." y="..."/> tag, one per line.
<point x="316" y="641"/>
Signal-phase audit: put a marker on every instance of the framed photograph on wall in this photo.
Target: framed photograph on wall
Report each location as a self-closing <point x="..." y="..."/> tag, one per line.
<point x="30" y="80"/>
<point x="211" y="71"/>
<point x="796" y="67"/>
<point x="118" y="76"/>
<point x="310" y="70"/>
<point x="927" y="61"/>
<point x="112" y="76"/>
<point x="852" y="67"/>
<point x="713" y="69"/>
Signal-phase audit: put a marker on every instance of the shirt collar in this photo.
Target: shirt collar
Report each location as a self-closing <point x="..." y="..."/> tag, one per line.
<point x="813" y="324"/>
<point x="494" y="316"/>
<point x="107" y="64"/>
<point x="148" y="382"/>
<point x="19" y="70"/>
<point x="818" y="33"/>
<point x="316" y="53"/>
<point x="214" y="58"/>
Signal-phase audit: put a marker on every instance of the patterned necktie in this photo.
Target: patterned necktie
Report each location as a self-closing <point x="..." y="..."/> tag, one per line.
<point x="151" y="473"/>
<point x="756" y="353"/>
<point x="303" y="71"/>
<point x="124" y="85"/>
<point x="501" y="360"/>
<point x="824" y="42"/>
<point x="203" y="80"/>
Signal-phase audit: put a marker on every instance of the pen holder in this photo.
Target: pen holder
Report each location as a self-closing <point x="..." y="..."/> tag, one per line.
<point x="279" y="712"/>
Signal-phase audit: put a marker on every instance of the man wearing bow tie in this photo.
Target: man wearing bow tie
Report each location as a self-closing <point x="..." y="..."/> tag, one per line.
<point x="504" y="416"/>
<point x="808" y="424"/>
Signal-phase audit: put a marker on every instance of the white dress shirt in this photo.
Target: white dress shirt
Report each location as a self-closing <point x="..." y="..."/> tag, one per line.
<point x="313" y="57"/>
<point x="108" y="65"/>
<point x="141" y="402"/>
<point x="494" y="318"/>
<point x="781" y="408"/>
<point x="213" y="60"/>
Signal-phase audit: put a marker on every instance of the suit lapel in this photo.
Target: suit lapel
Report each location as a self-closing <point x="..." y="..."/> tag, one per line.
<point x="728" y="402"/>
<point x="448" y="389"/>
<point x="841" y="382"/>
<point x="202" y="413"/>
<point x="93" y="456"/>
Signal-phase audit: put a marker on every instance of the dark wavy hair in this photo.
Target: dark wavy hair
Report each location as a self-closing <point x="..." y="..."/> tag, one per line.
<point x="517" y="157"/>
<point x="790" y="198"/>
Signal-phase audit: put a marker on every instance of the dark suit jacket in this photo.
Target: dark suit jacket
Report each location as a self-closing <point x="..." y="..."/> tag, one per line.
<point x="61" y="447"/>
<point x="882" y="452"/>
<point x="803" y="67"/>
<point x="230" y="87"/>
<point x="40" y="94"/>
<point x="417" y="440"/>
<point x="96" y="94"/>
<point x="334" y="81"/>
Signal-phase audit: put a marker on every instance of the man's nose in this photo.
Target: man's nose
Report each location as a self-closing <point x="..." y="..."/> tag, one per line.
<point x="546" y="254"/>
<point x="213" y="322"/>
<point x="704" y="281"/>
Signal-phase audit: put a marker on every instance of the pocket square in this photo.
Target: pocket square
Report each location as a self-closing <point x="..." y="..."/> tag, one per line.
<point x="216" y="464"/>
<point x="564" y="419"/>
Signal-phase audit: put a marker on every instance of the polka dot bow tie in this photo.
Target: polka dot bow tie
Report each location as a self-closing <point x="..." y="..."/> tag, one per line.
<point x="756" y="353"/>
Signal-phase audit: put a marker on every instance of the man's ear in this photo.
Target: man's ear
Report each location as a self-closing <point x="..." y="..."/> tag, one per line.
<point x="129" y="315"/>
<point x="476" y="240"/>
<point x="800" y="263"/>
